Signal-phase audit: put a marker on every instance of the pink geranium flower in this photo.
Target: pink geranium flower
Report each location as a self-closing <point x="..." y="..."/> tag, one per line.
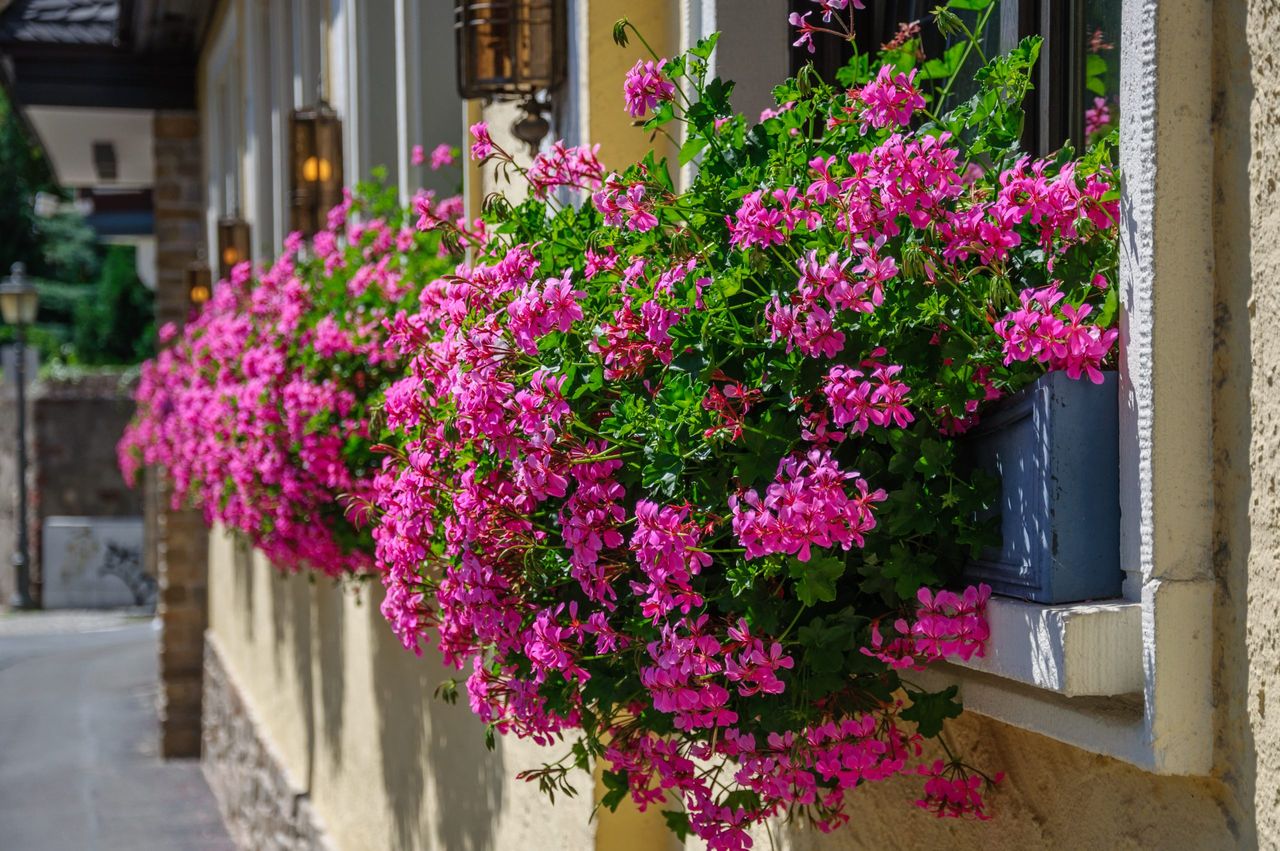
<point x="645" y="87"/>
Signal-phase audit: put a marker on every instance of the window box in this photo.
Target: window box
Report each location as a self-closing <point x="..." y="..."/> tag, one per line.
<point x="1055" y="449"/>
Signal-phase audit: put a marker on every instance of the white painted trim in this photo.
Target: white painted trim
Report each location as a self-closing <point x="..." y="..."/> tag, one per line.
<point x="1114" y="727"/>
<point x="223" y="102"/>
<point x="1074" y="650"/>
<point x="1166" y="407"/>
<point x="282" y="91"/>
<point x="408" y="95"/>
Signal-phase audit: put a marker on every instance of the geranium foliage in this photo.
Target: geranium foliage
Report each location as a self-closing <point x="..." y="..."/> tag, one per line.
<point x="669" y="465"/>
<point x="260" y="411"/>
<point x="675" y="461"/>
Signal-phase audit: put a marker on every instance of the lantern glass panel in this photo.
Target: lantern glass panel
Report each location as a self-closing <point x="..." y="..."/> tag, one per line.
<point x="19" y="304"/>
<point x="316" y="136"/>
<point x="19" y="301"/>
<point x="199" y="283"/>
<point x="233" y="244"/>
<point x="509" y="47"/>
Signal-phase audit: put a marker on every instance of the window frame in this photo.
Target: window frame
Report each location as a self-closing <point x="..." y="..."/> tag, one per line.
<point x="1132" y="678"/>
<point x="1161" y="637"/>
<point x="1058" y="107"/>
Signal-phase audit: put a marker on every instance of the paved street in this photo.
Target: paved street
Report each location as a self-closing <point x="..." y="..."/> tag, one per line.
<point x="78" y="763"/>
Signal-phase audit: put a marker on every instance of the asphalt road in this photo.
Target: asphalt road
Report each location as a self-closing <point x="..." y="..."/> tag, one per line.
<point x="79" y="769"/>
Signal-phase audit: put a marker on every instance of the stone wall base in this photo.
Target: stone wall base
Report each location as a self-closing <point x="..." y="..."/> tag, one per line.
<point x="264" y="809"/>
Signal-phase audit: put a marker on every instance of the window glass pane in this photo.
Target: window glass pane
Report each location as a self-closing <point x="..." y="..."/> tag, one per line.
<point x="1076" y="82"/>
<point x="1101" y="67"/>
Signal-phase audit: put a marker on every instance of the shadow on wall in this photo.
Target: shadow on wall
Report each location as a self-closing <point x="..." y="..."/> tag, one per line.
<point x="292" y="637"/>
<point x="242" y="559"/>
<point x="332" y="640"/>
<point x="421" y="736"/>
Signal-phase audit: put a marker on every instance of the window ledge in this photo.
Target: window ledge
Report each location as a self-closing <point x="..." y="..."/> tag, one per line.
<point x="1075" y="650"/>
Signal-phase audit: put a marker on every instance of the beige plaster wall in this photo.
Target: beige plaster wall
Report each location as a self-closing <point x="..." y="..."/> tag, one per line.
<point x="1262" y="628"/>
<point x="351" y="715"/>
<point x="606" y="64"/>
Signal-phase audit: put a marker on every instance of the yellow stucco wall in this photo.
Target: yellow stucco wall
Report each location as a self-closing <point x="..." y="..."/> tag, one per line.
<point x="608" y="123"/>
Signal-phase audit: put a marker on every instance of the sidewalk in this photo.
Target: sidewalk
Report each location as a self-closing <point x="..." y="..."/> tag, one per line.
<point x="79" y="769"/>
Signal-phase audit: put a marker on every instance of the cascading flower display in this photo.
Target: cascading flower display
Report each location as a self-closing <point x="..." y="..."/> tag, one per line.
<point x="670" y="470"/>
<point x="673" y="467"/>
<point x="260" y="411"/>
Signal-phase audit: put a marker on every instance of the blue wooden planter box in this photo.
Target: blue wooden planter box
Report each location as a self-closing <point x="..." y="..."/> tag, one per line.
<point x="1055" y="449"/>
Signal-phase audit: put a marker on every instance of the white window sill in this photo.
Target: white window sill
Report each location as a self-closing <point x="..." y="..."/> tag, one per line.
<point x="1090" y="675"/>
<point x="1075" y="650"/>
<point x="1071" y="672"/>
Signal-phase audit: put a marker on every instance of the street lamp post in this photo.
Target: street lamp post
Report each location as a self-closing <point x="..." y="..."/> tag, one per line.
<point x="18" y="304"/>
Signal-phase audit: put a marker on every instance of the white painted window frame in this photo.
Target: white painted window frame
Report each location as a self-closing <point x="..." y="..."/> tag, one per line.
<point x="224" y="113"/>
<point x="1132" y="678"/>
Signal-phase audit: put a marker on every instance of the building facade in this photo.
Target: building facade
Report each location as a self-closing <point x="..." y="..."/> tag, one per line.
<point x="1136" y="722"/>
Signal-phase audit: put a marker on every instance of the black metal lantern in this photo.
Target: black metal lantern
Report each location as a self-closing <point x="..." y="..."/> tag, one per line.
<point x="19" y="300"/>
<point x="512" y="49"/>
<point x="233" y="244"/>
<point x="199" y="280"/>
<point x="316" y="142"/>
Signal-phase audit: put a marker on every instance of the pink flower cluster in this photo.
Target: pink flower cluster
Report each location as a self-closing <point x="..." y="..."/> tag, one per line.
<point x="812" y="768"/>
<point x="645" y="87"/>
<point x="1059" y="208"/>
<point x="625" y="205"/>
<point x="861" y="398"/>
<point x="890" y="100"/>
<point x="1097" y="117"/>
<point x="246" y="432"/>
<point x="250" y="408"/>
<point x="951" y="791"/>
<point x="665" y="544"/>
<point x="946" y="625"/>
<point x="807" y="321"/>
<point x="756" y="223"/>
<point x="481" y="141"/>
<point x="807" y="505"/>
<point x="1048" y="330"/>
<point x="574" y="167"/>
<point x="442" y="155"/>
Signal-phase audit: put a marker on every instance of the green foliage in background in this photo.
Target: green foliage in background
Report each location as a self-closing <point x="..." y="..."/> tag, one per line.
<point x="93" y="308"/>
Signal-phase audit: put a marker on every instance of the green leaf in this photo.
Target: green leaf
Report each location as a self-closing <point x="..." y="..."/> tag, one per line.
<point x="705" y="46"/>
<point x="678" y="823"/>
<point x="946" y="65"/>
<point x="1110" y="305"/>
<point x="616" y="783"/>
<point x="815" y="580"/>
<point x="745" y="799"/>
<point x="661" y="474"/>
<point x="935" y="457"/>
<point x="692" y="146"/>
<point x="930" y="709"/>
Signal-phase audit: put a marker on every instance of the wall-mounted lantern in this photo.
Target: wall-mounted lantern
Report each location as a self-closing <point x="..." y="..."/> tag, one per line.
<point x="512" y="49"/>
<point x="233" y="244"/>
<point x="316" y="188"/>
<point x="199" y="280"/>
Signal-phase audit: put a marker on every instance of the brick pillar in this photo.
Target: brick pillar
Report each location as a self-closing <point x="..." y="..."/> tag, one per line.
<point x="180" y="546"/>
